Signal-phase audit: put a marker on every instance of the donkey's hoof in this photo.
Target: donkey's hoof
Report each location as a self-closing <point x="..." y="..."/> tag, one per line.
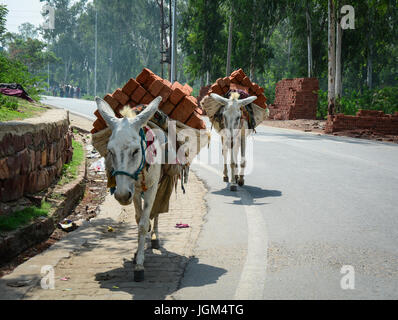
<point x="241" y="182"/>
<point x="155" y="244"/>
<point x="226" y="179"/>
<point x="139" y="276"/>
<point x="233" y="188"/>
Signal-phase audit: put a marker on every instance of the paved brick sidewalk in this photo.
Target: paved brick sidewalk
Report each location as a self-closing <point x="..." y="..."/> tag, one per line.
<point x="99" y="263"/>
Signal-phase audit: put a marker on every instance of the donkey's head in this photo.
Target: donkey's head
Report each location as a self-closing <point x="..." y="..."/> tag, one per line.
<point x="232" y="111"/>
<point x="125" y="152"/>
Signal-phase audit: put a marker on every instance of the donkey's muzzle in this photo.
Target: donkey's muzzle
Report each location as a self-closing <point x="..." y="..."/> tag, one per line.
<point x="124" y="198"/>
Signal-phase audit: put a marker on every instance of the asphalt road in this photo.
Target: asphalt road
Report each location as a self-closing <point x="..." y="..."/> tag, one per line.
<point x="312" y="205"/>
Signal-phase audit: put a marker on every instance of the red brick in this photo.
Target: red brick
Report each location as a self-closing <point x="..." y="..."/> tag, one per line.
<point x="261" y="100"/>
<point x="238" y="75"/>
<point x="235" y="86"/>
<point x="167" y="83"/>
<point x="187" y="89"/>
<point x="227" y="81"/>
<point x="220" y="82"/>
<point x="156" y="87"/>
<point x="98" y="125"/>
<point x="199" y="111"/>
<point x="215" y="88"/>
<point x="144" y="75"/>
<point x="176" y="96"/>
<point x="165" y="93"/>
<point x="246" y="82"/>
<point x="130" y="86"/>
<point x="234" y="80"/>
<point x="178" y="85"/>
<point x="138" y="94"/>
<point x="111" y="101"/>
<point x="147" y="99"/>
<point x="184" y="109"/>
<point x="167" y="107"/>
<point x="120" y="96"/>
<point x="195" y="122"/>
<point x="100" y="118"/>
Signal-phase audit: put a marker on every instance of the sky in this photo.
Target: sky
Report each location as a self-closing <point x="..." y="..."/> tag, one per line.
<point x="21" y="11"/>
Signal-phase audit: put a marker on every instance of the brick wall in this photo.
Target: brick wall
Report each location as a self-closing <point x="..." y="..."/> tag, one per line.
<point x="373" y="120"/>
<point x="177" y="101"/>
<point x="32" y="153"/>
<point x="295" y="99"/>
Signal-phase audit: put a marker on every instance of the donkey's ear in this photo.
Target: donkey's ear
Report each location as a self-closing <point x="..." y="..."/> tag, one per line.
<point x="148" y="113"/>
<point x="107" y="113"/>
<point x="219" y="99"/>
<point x="245" y="102"/>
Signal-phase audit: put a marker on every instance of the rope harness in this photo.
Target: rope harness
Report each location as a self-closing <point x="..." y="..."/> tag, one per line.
<point x="135" y="175"/>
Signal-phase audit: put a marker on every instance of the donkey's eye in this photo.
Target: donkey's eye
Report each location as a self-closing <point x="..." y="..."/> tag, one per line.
<point x="135" y="153"/>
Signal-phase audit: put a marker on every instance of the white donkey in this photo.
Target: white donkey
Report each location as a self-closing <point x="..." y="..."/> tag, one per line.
<point x="233" y="135"/>
<point x="126" y="154"/>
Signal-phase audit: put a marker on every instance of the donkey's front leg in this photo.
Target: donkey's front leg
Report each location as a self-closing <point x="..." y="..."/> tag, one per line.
<point x="143" y="226"/>
<point x="225" y="157"/>
<point x="155" y="243"/>
<point x="241" y="180"/>
<point x="234" y="161"/>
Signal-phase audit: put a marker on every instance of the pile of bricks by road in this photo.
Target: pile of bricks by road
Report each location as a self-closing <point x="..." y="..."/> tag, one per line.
<point x="177" y="101"/>
<point x="373" y="120"/>
<point x="239" y="80"/>
<point x="295" y="99"/>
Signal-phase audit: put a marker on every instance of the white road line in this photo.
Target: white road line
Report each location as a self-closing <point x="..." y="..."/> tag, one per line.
<point x="252" y="281"/>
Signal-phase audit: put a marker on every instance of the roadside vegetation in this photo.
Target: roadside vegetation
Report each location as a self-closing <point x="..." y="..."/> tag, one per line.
<point x="23" y="217"/>
<point x="17" y="109"/>
<point x="71" y="170"/>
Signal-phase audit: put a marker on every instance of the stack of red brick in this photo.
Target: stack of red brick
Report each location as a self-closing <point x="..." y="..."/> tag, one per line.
<point x="373" y="120"/>
<point x="295" y="99"/>
<point x="238" y="79"/>
<point x="177" y="101"/>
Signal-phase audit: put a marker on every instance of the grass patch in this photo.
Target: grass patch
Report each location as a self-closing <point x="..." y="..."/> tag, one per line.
<point x="70" y="170"/>
<point x="17" y="109"/>
<point x="23" y="217"/>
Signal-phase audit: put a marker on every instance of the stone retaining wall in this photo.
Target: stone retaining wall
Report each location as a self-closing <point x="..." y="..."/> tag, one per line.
<point x="32" y="153"/>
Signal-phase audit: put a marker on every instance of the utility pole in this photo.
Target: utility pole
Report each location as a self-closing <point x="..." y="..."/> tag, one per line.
<point x="96" y="43"/>
<point x="174" y="43"/>
<point x="49" y="25"/>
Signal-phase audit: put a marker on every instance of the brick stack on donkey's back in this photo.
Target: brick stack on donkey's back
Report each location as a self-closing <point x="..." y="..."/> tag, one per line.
<point x="177" y="101"/>
<point x="239" y="80"/>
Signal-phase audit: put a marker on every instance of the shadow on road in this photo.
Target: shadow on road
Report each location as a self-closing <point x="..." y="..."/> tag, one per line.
<point x="162" y="274"/>
<point x="255" y="193"/>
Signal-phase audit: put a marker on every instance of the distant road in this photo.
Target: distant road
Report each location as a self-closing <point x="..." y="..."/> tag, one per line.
<point x="79" y="107"/>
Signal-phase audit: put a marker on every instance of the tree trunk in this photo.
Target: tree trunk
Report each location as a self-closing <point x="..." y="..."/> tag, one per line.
<point x="332" y="57"/>
<point x="253" y="39"/>
<point x="370" y="67"/>
<point x="108" y="82"/>
<point x="339" y="37"/>
<point x="228" y="69"/>
<point x="309" y="39"/>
